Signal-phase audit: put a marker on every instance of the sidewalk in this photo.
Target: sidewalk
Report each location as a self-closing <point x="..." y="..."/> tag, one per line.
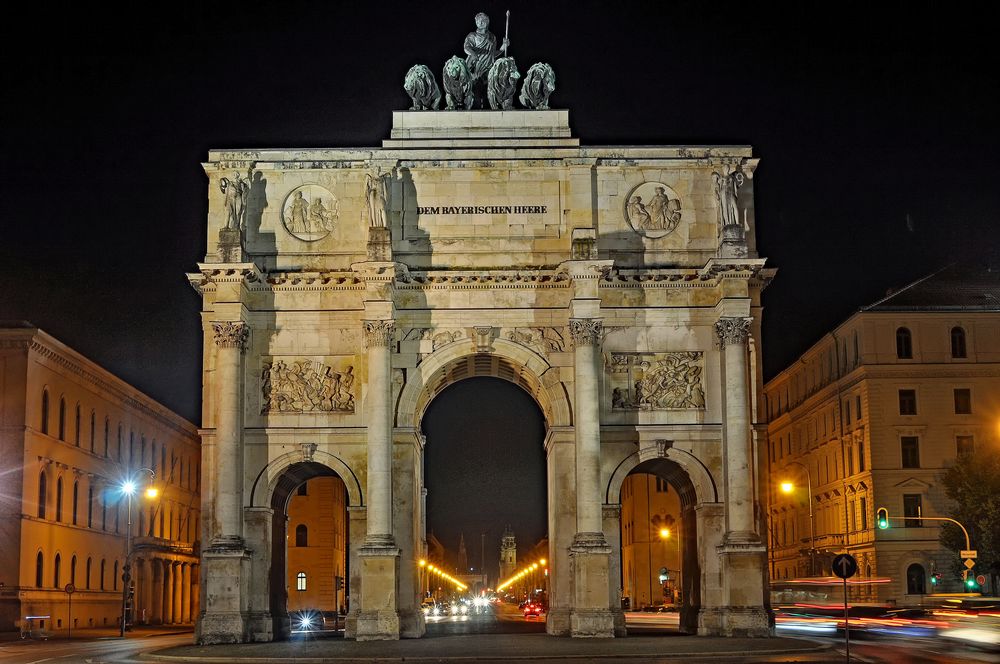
<point x="499" y="647"/>
<point x="105" y="632"/>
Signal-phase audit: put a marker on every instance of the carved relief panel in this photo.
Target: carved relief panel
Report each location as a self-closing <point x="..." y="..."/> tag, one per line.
<point x="656" y="381"/>
<point x="308" y="385"/>
<point x="310" y="212"/>
<point x="653" y="209"/>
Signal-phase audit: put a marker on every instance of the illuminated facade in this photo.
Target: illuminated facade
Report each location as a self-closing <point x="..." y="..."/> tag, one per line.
<point x="317" y="533"/>
<point x="650" y="541"/>
<point x="871" y="416"/>
<point x="70" y="433"/>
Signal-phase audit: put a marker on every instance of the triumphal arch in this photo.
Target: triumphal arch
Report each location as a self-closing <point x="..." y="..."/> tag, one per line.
<point x="343" y="289"/>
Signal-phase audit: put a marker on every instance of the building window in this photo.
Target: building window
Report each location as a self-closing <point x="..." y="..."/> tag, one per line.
<point x="963" y="401"/>
<point x="847" y="411"/>
<point x="958" y="342"/>
<point x="56" y="571"/>
<point x="904" y="344"/>
<point x="863" y="503"/>
<point x="661" y="485"/>
<point x="104" y="564"/>
<point x="912" y="510"/>
<point x="301" y="535"/>
<point x="39" y="569"/>
<point x="907" y="402"/>
<point x="910" y="451"/>
<point x="45" y="412"/>
<point x="966" y="445"/>
<point x="59" y="497"/>
<point x="72" y="570"/>
<point x="90" y="563"/>
<point x="857" y="407"/>
<point x="42" y="491"/>
<point x="114" y="577"/>
<point x="915" y="580"/>
<point x="861" y="456"/>
<point x="850" y="460"/>
<point x="62" y="419"/>
<point x="93" y="431"/>
<point x="90" y="507"/>
<point x="76" y="431"/>
<point x="300" y="581"/>
<point x="76" y="500"/>
<point x="107" y="433"/>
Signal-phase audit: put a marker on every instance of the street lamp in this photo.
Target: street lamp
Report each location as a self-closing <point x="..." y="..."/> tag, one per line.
<point x="129" y="487"/>
<point x="787" y="488"/>
<point x="665" y="534"/>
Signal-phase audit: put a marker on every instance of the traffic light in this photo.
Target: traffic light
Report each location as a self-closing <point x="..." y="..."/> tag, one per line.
<point x="935" y="578"/>
<point x="882" y="518"/>
<point x="970" y="583"/>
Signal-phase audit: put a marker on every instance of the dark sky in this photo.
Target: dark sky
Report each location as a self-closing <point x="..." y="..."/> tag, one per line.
<point x="863" y="113"/>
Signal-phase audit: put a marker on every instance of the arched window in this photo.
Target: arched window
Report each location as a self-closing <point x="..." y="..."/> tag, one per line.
<point x="56" y="571"/>
<point x="45" y="412"/>
<point x="90" y="506"/>
<point x="904" y="344"/>
<point x="93" y="431"/>
<point x="107" y="433"/>
<point x="119" y="457"/>
<point x="103" y="567"/>
<point x="72" y="570"/>
<point x="958" y="342"/>
<point x="301" y="535"/>
<point x="39" y="569"/>
<point x="114" y="579"/>
<point x="62" y="418"/>
<point x="915" y="580"/>
<point x="300" y="581"/>
<point x="59" y="496"/>
<point x="42" y="491"/>
<point x="76" y="431"/>
<point x="76" y="500"/>
<point x="89" y="565"/>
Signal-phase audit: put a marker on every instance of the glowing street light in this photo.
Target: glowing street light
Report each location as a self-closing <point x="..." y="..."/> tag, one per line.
<point x="788" y="487"/>
<point x="128" y="488"/>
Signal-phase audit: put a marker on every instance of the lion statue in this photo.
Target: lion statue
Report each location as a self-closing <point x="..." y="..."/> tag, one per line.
<point x="539" y="83"/>
<point x="422" y="88"/>
<point x="501" y="84"/>
<point x="457" y="84"/>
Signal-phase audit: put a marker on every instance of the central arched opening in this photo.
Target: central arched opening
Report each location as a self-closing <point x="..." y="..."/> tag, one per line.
<point x="659" y="548"/>
<point x="486" y="506"/>
<point x="309" y="568"/>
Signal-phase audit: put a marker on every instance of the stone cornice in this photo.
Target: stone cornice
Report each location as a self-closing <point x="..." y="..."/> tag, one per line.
<point x="77" y="368"/>
<point x="211" y="274"/>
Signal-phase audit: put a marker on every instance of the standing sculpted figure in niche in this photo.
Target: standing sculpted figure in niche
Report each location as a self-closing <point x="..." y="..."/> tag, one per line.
<point x="480" y="52"/>
<point x="235" y="192"/>
<point x="726" y="187"/>
<point x="376" y="197"/>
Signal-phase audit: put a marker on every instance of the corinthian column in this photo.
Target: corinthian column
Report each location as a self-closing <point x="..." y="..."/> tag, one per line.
<point x="733" y="334"/>
<point x="586" y="334"/>
<point x="230" y="341"/>
<point x="591" y="613"/>
<point x="378" y="336"/>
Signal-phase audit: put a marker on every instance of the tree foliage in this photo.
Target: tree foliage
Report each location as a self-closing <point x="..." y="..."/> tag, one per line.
<point x="973" y="485"/>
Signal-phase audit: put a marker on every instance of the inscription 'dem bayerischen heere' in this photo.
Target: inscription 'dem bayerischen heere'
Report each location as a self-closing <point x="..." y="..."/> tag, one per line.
<point x="483" y="209"/>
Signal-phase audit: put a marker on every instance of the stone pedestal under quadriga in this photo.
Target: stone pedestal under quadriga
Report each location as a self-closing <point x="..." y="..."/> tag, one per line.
<point x="619" y="287"/>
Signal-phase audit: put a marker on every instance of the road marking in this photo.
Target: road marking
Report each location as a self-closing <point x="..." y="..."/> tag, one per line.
<point x="39" y="661"/>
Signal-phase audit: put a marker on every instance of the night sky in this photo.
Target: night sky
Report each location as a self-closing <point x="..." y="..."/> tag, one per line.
<point x="874" y="123"/>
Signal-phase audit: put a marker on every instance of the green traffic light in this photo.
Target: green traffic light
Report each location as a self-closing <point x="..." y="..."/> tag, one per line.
<point x="970" y="583"/>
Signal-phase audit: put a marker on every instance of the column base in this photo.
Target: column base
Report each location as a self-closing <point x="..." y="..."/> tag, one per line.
<point x="618" y="619"/>
<point x="591" y="615"/>
<point x="736" y="621"/>
<point x="378" y="616"/>
<point x="744" y="613"/>
<point x="225" y="617"/>
<point x="557" y="622"/>
<point x="261" y="627"/>
<point x="411" y="624"/>
<point x="227" y="543"/>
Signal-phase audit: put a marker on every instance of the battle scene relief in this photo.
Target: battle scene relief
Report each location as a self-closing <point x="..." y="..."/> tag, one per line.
<point x="301" y="385"/>
<point x="656" y="381"/>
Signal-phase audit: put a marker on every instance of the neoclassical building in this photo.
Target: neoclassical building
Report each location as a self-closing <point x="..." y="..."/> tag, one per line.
<point x="72" y="434"/>
<point x="344" y="288"/>
<point x="869" y="417"/>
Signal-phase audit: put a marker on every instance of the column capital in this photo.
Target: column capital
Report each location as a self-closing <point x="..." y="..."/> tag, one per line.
<point x="733" y="331"/>
<point x="231" y="334"/>
<point x="586" y="331"/>
<point x="379" y="332"/>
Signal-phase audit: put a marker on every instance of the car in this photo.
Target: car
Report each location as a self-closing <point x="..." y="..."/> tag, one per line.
<point x="533" y="609"/>
<point x="430" y="607"/>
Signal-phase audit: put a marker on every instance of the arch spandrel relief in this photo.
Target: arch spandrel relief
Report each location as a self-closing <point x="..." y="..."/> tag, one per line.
<point x="653" y="209"/>
<point x="291" y="385"/>
<point x="656" y="381"/>
<point x="310" y="212"/>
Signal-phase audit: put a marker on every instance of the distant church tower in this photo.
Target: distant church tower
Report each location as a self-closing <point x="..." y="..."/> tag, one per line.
<point x="508" y="555"/>
<point x="463" y="556"/>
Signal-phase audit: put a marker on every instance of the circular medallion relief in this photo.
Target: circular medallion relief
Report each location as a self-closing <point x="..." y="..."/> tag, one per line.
<point x="310" y="212"/>
<point x="653" y="209"/>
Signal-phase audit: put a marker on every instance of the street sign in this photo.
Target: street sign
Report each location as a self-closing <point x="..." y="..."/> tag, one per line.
<point x="970" y="563"/>
<point x="981" y="579"/>
<point x="70" y="588"/>
<point x="844" y="566"/>
<point x="972" y="553"/>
